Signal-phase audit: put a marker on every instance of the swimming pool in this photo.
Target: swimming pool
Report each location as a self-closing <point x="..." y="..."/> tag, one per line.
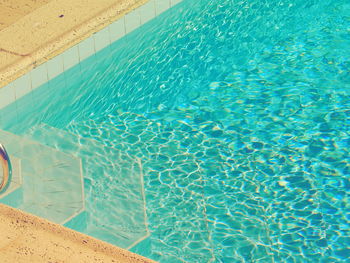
<point x="235" y="114"/>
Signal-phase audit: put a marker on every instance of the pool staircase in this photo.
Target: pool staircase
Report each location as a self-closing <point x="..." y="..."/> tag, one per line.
<point x="174" y="200"/>
<point x="203" y="196"/>
<point x="46" y="182"/>
<point x="115" y="201"/>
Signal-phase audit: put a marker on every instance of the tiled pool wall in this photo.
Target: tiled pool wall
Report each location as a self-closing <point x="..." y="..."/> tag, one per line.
<point x="88" y="47"/>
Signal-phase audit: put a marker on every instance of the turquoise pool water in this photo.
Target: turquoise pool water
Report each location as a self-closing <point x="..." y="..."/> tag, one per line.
<point x="239" y="112"/>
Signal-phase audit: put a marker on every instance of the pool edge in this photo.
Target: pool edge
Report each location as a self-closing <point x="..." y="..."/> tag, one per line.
<point x="25" y="74"/>
<point x="17" y="61"/>
<point x="27" y="237"/>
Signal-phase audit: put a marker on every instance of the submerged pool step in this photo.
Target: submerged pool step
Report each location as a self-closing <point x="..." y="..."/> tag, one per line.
<point x="174" y="185"/>
<point x="113" y="180"/>
<point x="48" y="182"/>
<point x="183" y="191"/>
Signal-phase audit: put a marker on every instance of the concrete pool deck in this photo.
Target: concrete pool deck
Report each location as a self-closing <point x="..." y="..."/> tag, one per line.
<point x="27" y="238"/>
<point x="34" y="31"/>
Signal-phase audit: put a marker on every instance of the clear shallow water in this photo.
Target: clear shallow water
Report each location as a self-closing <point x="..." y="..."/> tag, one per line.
<point x="240" y="114"/>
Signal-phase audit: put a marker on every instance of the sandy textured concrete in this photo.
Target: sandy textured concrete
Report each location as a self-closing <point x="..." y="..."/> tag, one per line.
<point x="50" y="28"/>
<point x="26" y="238"/>
<point x="13" y="10"/>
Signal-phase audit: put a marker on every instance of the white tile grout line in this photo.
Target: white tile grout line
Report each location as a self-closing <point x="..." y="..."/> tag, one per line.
<point x="124" y="26"/>
<point x="32" y="87"/>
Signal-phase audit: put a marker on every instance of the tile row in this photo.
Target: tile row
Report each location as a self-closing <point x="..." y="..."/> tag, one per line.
<point x="83" y="50"/>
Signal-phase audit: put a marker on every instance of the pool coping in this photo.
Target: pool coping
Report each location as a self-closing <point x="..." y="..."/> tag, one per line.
<point x="27" y="238"/>
<point x="74" y="40"/>
<point x="24" y="72"/>
<point x="52" y="29"/>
